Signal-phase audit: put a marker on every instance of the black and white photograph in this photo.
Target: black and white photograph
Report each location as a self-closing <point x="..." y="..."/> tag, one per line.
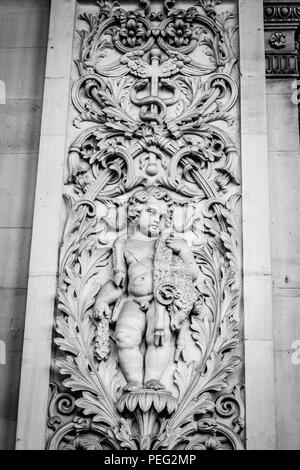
<point x="149" y="228"/>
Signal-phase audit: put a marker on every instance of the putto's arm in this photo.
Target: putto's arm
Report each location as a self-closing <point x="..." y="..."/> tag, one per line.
<point x="112" y="290"/>
<point x="119" y="263"/>
<point x="188" y="258"/>
<point x="109" y="293"/>
<point x="181" y="248"/>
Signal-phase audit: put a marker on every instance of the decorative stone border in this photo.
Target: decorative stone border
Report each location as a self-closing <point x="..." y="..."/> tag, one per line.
<point x="259" y="355"/>
<point x="34" y="387"/>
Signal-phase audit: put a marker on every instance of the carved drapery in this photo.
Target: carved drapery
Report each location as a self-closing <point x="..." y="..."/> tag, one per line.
<point x="149" y="291"/>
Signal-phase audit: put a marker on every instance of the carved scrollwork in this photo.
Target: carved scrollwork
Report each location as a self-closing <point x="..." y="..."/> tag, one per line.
<point x="149" y="282"/>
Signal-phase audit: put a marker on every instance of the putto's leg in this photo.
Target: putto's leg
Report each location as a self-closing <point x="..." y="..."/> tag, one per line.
<point x="130" y="330"/>
<point x="157" y="357"/>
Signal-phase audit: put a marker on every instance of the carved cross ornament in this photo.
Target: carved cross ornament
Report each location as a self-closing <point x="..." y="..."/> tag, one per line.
<point x="147" y="352"/>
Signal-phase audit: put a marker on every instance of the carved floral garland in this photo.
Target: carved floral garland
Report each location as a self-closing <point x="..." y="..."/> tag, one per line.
<point x="172" y="140"/>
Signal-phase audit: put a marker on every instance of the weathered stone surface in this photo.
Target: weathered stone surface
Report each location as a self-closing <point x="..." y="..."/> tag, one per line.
<point x="9" y="385"/>
<point x="254" y="106"/>
<point x="35" y="374"/>
<point x="278" y="86"/>
<point x="12" y="318"/>
<point x="58" y="63"/>
<point x="286" y="319"/>
<point x="48" y="205"/>
<point x="284" y="170"/>
<point x="20" y="126"/>
<point x="55" y="112"/>
<point x="258" y="322"/>
<point x="27" y="4"/>
<point x="287" y="401"/>
<point x="17" y="189"/>
<point x="24" y="23"/>
<point x="23" y="39"/>
<point x="283" y="129"/>
<point x="22" y="69"/>
<point x="259" y="356"/>
<point x="14" y="257"/>
<point x="259" y="377"/>
<point x="7" y="433"/>
<point x="285" y="210"/>
<point x="13" y="303"/>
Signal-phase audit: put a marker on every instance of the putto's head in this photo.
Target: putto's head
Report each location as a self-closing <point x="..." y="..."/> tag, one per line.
<point x="151" y="211"/>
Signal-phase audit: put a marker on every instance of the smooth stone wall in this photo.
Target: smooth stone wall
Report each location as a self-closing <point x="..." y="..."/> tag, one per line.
<point x="259" y="357"/>
<point x="23" y="41"/>
<point x="284" y="170"/>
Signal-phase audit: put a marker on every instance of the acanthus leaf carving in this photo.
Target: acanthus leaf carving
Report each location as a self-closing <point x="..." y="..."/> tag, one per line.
<point x="149" y="282"/>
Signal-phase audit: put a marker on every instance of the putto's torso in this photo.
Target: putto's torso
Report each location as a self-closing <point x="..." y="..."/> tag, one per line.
<point x="139" y="256"/>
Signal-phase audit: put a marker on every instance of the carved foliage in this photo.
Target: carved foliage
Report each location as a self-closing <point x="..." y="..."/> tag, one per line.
<point x="155" y="92"/>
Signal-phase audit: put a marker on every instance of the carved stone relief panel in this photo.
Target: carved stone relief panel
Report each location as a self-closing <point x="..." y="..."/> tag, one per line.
<point x="148" y="350"/>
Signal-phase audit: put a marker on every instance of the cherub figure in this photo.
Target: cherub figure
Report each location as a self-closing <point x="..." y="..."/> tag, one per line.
<point x="142" y="264"/>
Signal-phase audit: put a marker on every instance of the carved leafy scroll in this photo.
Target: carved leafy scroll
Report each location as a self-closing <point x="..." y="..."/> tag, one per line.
<point x="155" y="103"/>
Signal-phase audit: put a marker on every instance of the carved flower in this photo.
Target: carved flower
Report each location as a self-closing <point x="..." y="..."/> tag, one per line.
<point x="180" y="32"/>
<point x="278" y="40"/>
<point x="132" y="32"/>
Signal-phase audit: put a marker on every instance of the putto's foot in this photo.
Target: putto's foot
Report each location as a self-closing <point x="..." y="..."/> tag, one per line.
<point x="155" y="385"/>
<point x="133" y="386"/>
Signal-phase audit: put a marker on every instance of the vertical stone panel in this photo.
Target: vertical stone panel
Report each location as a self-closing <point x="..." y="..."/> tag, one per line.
<point x="284" y="170"/>
<point x="259" y="358"/>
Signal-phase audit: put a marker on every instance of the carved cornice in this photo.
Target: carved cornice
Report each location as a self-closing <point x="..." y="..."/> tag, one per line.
<point x="282" y="13"/>
<point x="281" y="39"/>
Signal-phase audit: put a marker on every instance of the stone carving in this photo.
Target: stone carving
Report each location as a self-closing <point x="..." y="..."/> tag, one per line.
<point x="149" y="285"/>
<point x="284" y="12"/>
<point x="281" y="30"/>
<point x="278" y="40"/>
<point x="149" y="275"/>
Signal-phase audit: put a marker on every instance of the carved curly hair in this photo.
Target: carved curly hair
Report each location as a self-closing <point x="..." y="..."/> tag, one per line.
<point x="142" y="196"/>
